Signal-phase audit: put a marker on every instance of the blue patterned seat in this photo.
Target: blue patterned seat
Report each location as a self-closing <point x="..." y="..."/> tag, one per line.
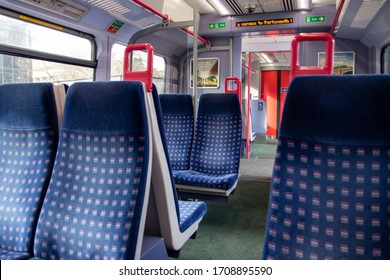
<point x="94" y="206"/>
<point x="176" y="221"/>
<point x="330" y="192"/>
<point x="178" y="116"/>
<point x="28" y="143"/>
<point x="215" y="154"/>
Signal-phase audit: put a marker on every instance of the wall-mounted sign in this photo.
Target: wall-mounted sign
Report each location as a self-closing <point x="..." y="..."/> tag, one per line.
<point x="208" y="73"/>
<point x="217" y="25"/>
<point x="262" y="22"/>
<point x="343" y="62"/>
<point x="115" y="26"/>
<point x="315" y="19"/>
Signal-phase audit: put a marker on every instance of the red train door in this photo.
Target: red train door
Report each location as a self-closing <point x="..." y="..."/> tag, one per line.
<point x="274" y="84"/>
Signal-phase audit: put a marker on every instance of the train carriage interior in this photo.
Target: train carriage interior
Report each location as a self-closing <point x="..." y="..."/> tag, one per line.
<point x="283" y="125"/>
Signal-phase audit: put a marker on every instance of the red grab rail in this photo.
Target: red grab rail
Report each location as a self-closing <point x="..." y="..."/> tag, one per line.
<point x="143" y="76"/>
<point x="297" y="70"/>
<point x="238" y="89"/>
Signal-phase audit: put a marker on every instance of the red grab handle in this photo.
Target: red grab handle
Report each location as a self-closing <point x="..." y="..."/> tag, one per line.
<point x="297" y="70"/>
<point x="237" y="90"/>
<point x="143" y="76"/>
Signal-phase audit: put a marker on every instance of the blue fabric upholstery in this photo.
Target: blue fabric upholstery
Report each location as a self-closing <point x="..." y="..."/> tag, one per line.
<point x="216" y="181"/>
<point x="190" y="212"/>
<point x="215" y="154"/>
<point x="95" y="199"/>
<point x="28" y="143"/>
<point x="330" y="193"/>
<point x="13" y="255"/>
<point x="178" y="116"/>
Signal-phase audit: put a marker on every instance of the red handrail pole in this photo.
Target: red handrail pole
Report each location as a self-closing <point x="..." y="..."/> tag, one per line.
<point x="238" y="91"/>
<point x="248" y="120"/>
<point x="165" y="17"/>
<point x="143" y="76"/>
<point x="251" y="69"/>
<point x="336" y="17"/>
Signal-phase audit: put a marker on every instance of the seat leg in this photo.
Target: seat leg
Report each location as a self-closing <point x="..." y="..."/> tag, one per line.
<point x="193" y="236"/>
<point x="173" y="253"/>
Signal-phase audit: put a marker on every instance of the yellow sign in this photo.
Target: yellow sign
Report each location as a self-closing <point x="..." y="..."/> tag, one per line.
<point x="40" y="22"/>
<point x="263" y="22"/>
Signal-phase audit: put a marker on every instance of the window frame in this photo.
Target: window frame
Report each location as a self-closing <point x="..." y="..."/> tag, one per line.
<point x="33" y="54"/>
<point x="384" y="49"/>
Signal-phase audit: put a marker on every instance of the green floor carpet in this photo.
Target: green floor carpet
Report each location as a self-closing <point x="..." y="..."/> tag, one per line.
<point x="232" y="230"/>
<point x="263" y="150"/>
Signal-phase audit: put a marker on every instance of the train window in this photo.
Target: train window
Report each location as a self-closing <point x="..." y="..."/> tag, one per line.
<point x="23" y="34"/>
<point x="15" y="69"/>
<point x="117" y="53"/>
<point x="139" y="62"/>
<point x="385" y="63"/>
<point x="32" y="50"/>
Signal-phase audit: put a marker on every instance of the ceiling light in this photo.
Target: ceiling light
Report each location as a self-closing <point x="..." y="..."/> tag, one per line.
<point x="304" y="4"/>
<point x="266" y="58"/>
<point x="219" y="7"/>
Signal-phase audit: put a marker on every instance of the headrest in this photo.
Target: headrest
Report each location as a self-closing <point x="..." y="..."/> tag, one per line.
<point x="176" y="104"/>
<point x="219" y="104"/>
<point x="27" y="106"/>
<point x="349" y="109"/>
<point x="111" y="107"/>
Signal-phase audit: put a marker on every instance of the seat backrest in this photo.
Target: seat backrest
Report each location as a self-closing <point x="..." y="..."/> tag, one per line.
<point x="217" y="138"/>
<point x="28" y="143"/>
<point x="178" y="116"/>
<point x="94" y="207"/>
<point x="165" y="217"/>
<point x="331" y="185"/>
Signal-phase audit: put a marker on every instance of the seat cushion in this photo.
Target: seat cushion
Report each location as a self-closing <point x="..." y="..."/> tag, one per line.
<point x="190" y="212"/>
<point x="11" y="255"/>
<point x="199" y="179"/>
